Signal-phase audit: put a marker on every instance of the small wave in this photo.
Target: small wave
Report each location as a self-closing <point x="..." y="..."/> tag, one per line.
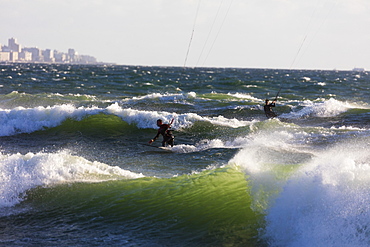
<point x="246" y="96"/>
<point x="305" y="78"/>
<point x="328" y="108"/>
<point x="166" y="97"/>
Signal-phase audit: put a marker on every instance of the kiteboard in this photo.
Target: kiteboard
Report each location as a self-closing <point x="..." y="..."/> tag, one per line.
<point x="168" y="149"/>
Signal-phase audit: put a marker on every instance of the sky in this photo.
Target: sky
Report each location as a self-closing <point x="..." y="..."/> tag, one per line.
<point x="282" y="34"/>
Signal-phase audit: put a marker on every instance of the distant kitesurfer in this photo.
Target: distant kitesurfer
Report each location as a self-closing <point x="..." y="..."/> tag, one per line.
<point x="268" y="109"/>
<point x="166" y="132"/>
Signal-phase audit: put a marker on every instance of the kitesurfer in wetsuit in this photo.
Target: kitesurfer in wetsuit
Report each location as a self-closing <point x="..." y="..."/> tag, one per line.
<point x="268" y="109"/>
<point x="164" y="130"/>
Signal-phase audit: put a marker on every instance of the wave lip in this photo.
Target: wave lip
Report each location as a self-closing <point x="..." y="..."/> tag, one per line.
<point x="27" y="120"/>
<point x="20" y="173"/>
<point x="327" y="108"/>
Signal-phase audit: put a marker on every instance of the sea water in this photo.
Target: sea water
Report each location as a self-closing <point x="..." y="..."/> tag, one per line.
<point x="76" y="170"/>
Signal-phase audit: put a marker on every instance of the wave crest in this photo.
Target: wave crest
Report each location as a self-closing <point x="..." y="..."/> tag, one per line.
<point x="20" y="173"/>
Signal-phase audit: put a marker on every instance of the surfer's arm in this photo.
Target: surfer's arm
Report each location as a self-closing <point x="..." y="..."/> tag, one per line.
<point x="155" y="138"/>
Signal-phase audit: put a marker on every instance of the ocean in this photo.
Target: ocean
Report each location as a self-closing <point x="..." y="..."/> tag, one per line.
<point x="76" y="168"/>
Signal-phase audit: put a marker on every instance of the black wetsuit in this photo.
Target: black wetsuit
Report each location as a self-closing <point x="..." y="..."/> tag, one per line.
<point x="168" y="138"/>
<point x="268" y="110"/>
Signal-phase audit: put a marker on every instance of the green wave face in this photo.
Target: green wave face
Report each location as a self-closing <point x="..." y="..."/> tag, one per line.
<point x="96" y="125"/>
<point x="211" y="207"/>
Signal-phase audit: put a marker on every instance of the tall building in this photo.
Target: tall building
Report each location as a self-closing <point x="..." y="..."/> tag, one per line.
<point x="14" y="56"/>
<point x="48" y="55"/>
<point x="60" y="57"/>
<point x="4" y="56"/>
<point x="72" y="55"/>
<point x="25" y="56"/>
<point x="13" y="45"/>
<point x="36" y="53"/>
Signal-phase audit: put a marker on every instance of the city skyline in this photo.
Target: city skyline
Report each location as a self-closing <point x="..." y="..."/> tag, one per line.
<point x="14" y="52"/>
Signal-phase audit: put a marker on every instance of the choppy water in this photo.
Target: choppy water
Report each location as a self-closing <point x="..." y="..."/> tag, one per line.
<point x="75" y="170"/>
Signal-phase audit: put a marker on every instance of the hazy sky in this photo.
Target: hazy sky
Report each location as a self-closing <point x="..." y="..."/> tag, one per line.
<point x="311" y="34"/>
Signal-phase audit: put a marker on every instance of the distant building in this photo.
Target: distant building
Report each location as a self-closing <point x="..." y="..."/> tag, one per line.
<point x="60" y="57"/>
<point x="48" y="56"/>
<point x="25" y="56"/>
<point x="72" y="55"/>
<point x="4" y="56"/>
<point x="36" y="53"/>
<point x="13" y="56"/>
<point x="15" y="53"/>
<point x="85" y="59"/>
<point x="13" y="45"/>
<point x="5" y="48"/>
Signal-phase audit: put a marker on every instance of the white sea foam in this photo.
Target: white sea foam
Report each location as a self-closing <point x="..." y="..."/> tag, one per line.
<point x="166" y="97"/>
<point x="245" y="96"/>
<point x="185" y="96"/>
<point x="305" y="78"/>
<point x="19" y="173"/>
<point x="349" y="128"/>
<point x="208" y="144"/>
<point x="326" y="108"/>
<point x="264" y="158"/>
<point x="326" y="203"/>
<point x="147" y="119"/>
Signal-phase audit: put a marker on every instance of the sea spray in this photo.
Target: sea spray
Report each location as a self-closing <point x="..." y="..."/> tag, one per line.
<point x="326" y="202"/>
<point x="320" y="108"/>
<point x="269" y="156"/>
